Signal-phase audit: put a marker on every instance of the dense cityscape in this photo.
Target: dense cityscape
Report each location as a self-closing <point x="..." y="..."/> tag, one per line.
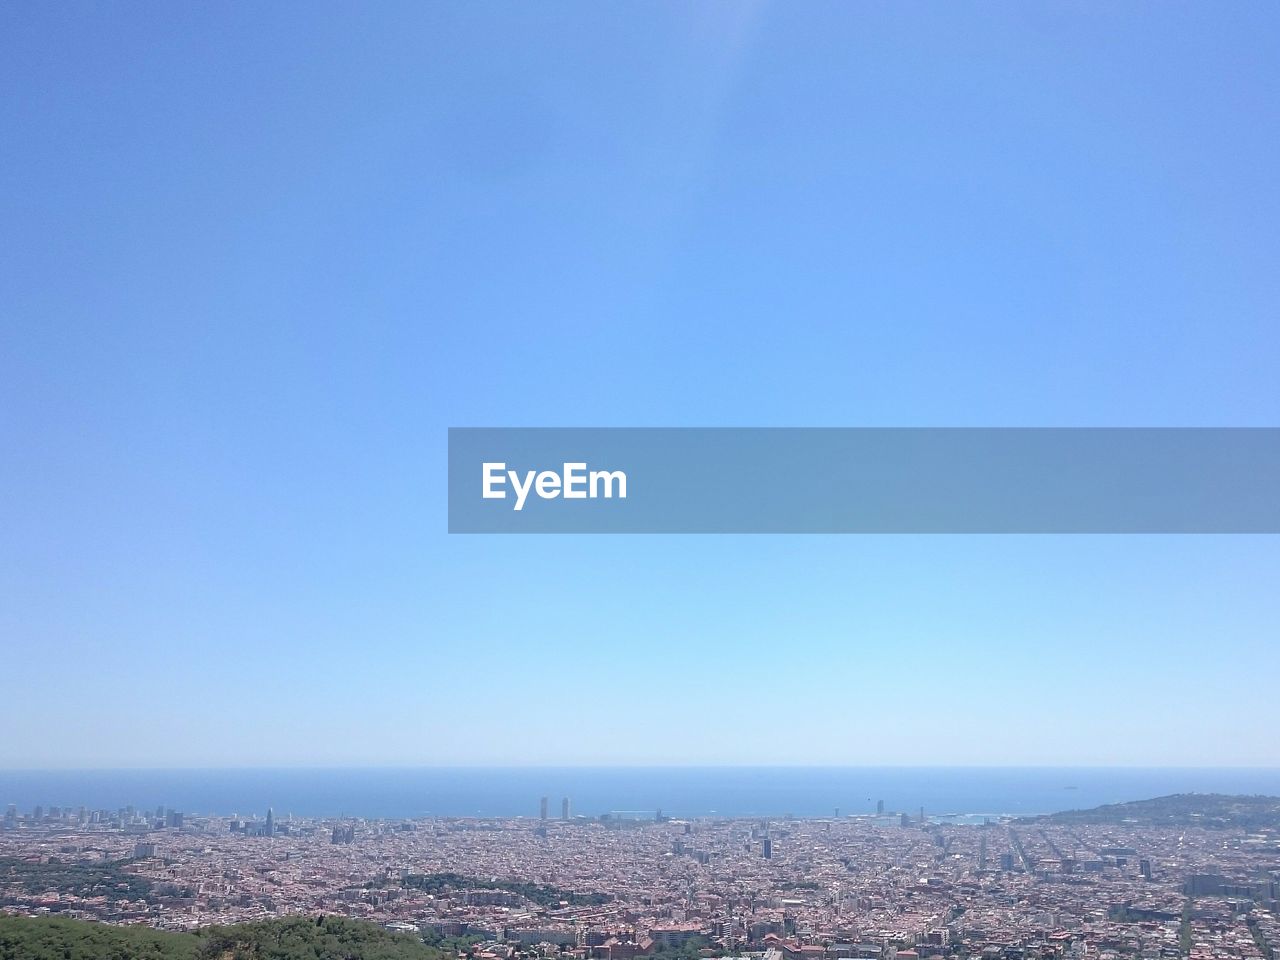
<point x="882" y="886"/>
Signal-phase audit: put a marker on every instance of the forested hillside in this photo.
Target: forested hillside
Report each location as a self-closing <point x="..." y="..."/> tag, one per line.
<point x="293" y="938"/>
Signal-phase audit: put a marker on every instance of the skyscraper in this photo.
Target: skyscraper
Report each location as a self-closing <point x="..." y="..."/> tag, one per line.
<point x="542" y="815"/>
<point x="270" y="830"/>
<point x="564" y="809"/>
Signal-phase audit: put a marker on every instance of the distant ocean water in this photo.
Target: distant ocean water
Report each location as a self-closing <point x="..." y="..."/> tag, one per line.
<point x="677" y="791"/>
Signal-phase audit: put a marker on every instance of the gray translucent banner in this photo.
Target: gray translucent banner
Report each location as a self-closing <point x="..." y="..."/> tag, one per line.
<point x="763" y="480"/>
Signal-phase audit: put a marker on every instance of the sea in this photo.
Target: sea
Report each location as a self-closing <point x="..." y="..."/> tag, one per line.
<point x="962" y="793"/>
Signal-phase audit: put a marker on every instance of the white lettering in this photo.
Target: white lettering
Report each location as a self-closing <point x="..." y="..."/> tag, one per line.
<point x="493" y="476"/>
<point x="609" y="476"/>
<point x="573" y="482"/>
<point x="521" y="491"/>
<point x="575" y="473"/>
<point x="548" y="484"/>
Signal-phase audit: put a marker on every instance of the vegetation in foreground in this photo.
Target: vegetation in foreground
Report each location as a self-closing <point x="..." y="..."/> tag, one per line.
<point x="292" y="938"/>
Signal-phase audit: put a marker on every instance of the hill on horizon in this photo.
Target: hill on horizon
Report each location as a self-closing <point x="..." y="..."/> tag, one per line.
<point x="1257" y="812"/>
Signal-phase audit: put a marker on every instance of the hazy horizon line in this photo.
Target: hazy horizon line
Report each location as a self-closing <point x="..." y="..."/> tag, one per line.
<point x="635" y="766"/>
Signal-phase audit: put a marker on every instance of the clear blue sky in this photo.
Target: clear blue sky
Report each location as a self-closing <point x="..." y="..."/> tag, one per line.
<point x="255" y="259"/>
